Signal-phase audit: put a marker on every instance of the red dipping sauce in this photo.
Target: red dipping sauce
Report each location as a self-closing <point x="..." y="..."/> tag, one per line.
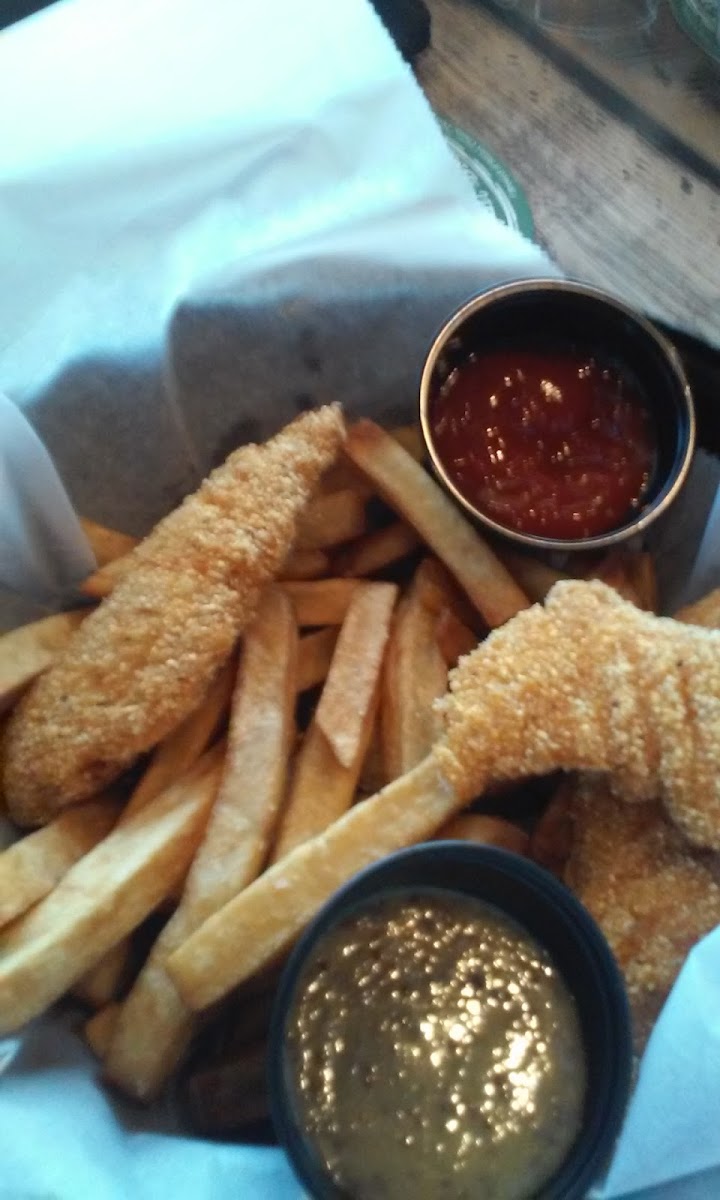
<point x="553" y="444"/>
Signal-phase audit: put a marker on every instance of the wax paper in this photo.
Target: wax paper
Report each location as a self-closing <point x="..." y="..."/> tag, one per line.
<point x="213" y="215"/>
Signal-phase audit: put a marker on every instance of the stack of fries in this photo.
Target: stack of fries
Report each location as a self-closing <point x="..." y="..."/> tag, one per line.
<point x="331" y="696"/>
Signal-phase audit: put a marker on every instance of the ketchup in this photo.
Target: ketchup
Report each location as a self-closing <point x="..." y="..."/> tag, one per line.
<point x="555" y="444"/>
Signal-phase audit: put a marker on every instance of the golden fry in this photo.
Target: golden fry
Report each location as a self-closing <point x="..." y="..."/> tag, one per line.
<point x="104" y="581"/>
<point x="182" y="748"/>
<point x="489" y="831"/>
<point x="552" y="837"/>
<point x="105" y="981"/>
<point x="32" y="867"/>
<point x="331" y="519"/>
<point x="102" y="898"/>
<point x="315" y="652"/>
<point x="98" y="1029"/>
<point x="415" y="676"/>
<point x="106" y="544"/>
<point x="404" y="484"/>
<point x="305" y="564"/>
<point x="704" y="612"/>
<point x="321" y="601"/>
<point x="154" y="1025"/>
<point x="454" y="639"/>
<point x="353" y="677"/>
<point x="262" y="922"/>
<point x="29" y="650"/>
<point x="377" y="550"/>
<point x="534" y="577"/>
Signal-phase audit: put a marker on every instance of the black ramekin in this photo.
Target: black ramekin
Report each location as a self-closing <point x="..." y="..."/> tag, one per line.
<point x="558" y="921"/>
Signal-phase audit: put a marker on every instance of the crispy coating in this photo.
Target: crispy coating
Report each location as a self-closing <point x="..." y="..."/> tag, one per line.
<point x="590" y="682"/>
<point x="651" y="896"/>
<point x="145" y="658"/>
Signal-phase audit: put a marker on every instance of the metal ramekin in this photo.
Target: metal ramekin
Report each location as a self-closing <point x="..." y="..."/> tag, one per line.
<point x="569" y="312"/>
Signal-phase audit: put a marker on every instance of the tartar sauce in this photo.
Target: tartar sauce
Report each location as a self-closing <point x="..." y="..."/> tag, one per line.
<point x="435" y="1052"/>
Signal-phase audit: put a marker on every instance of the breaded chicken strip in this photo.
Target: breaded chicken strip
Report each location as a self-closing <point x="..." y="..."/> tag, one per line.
<point x="590" y="682"/>
<point x="650" y="895"/>
<point x="145" y="658"/>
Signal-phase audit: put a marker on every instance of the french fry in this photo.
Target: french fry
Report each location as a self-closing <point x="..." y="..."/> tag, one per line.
<point x="183" y="747"/>
<point x="407" y="487"/>
<point x="643" y="577"/>
<point x="372" y="773"/>
<point x="29" y="650"/>
<point x="315" y="651"/>
<point x="224" y="1099"/>
<point x="454" y="639"/>
<point x="107" y="544"/>
<point x="154" y="1025"/>
<point x="415" y="676"/>
<point x="321" y="601"/>
<point x="353" y="677"/>
<point x="262" y="922"/>
<point x="171" y="759"/>
<point x="99" y="1028"/>
<point x="534" y="577"/>
<point x="305" y="564"/>
<point x="705" y="612"/>
<point x="331" y="519"/>
<point x="323" y="784"/>
<point x="32" y="867"/>
<point x="552" y="837"/>
<point x="377" y="550"/>
<point x="489" y="831"/>
<point x="101" y="583"/>
<point x="105" y="981"/>
<point x="104" y="896"/>
<point x="612" y="570"/>
<point x="411" y="439"/>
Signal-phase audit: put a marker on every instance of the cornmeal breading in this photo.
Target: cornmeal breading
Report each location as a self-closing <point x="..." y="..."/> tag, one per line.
<point x="651" y="896"/>
<point x="589" y="682"/>
<point x="145" y="658"/>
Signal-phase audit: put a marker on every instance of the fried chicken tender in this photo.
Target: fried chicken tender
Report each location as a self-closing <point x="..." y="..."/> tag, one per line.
<point x="589" y="682"/>
<point x="144" y="660"/>
<point x="651" y="896"/>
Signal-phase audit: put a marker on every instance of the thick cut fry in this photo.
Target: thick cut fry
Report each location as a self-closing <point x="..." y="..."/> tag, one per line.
<point x="306" y="564"/>
<point x="534" y="577"/>
<point x="323" y="786"/>
<point x="454" y="639"/>
<point x="416" y="497"/>
<point x="99" y="1028"/>
<point x="225" y="1098"/>
<point x="29" y="650"/>
<point x="377" y="550"/>
<point x="331" y="519"/>
<point x="641" y="572"/>
<point x="173" y="757"/>
<point x="552" y="837"/>
<point x="261" y="923"/>
<point x="353" y="677"/>
<point x="107" y="544"/>
<point x="154" y="1024"/>
<point x="490" y="831"/>
<point x="415" y="676"/>
<point x="103" y="581"/>
<point x="705" y="612"/>
<point x="103" y="897"/>
<point x="33" y="866"/>
<point x="321" y="601"/>
<point x="315" y="654"/>
<point x="107" y="979"/>
<point x="411" y="439"/>
<point x="182" y="748"/>
<point x="612" y="570"/>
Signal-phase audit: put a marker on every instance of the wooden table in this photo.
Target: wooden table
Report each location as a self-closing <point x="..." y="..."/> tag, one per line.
<point x="616" y="145"/>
